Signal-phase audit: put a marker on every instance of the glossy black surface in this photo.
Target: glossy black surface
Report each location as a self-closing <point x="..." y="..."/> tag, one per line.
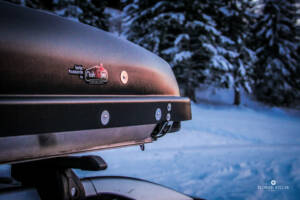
<point x="35" y="115"/>
<point x="37" y="49"/>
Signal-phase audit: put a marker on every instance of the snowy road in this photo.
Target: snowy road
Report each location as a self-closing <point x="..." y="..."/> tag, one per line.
<point x="223" y="153"/>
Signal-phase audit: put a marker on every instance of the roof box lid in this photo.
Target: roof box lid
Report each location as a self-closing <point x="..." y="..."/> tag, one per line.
<point x="42" y="53"/>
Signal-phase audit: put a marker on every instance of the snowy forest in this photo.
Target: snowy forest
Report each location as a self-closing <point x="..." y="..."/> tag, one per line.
<point x="243" y="45"/>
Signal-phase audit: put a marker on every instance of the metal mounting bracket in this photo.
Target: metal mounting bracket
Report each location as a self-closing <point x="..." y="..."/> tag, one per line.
<point x="54" y="178"/>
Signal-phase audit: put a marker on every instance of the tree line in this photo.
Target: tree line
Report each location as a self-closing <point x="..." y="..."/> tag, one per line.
<point x="241" y="44"/>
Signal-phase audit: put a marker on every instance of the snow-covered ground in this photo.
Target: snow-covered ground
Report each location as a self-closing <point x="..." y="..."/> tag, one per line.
<point x="225" y="152"/>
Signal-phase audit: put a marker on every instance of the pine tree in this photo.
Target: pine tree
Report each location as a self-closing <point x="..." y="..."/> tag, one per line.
<point x="234" y="18"/>
<point x="203" y="63"/>
<point x="276" y="79"/>
<point x="89" y="12"/>
<point x="185" y="34"/>
<point x="217" y="32"/>
<point x="160" y="26"/>
<point x="93" y="13"/>
<point x="154" y="24"/>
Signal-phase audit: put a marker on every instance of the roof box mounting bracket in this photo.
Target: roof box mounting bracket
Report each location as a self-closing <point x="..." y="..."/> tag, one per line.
<point x="54" y="177"/>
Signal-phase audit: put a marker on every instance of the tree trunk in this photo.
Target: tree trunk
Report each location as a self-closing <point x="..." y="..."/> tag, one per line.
<point x="190" y="92"/>
<point x="237" y="97"/>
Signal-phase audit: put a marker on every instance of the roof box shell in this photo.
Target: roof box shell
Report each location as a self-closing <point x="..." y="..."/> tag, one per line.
<point x="66" y="87"/>
<point x="38" y="49"/>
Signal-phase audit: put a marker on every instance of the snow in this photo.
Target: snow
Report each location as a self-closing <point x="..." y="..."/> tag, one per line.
<point x="226" y="12"/>
<point x="247" y="87"/>
<point x="157" y="6"/>
<point x="182" y="56"/>
<point x="178" y="17"/>
<point x="225" y="152"/>
<point x="73" y="12"/>
<point x="278" y="64"/>
<point x="181" y="37"/>
<point x="221" y="63"/>
<point x="171" y="50"/>
<point x="129" y="7"/>
<point x="61" y="12"/>
<point x="115" y="22"/>
<point x="226" y="40"/>
<point x="284" y="28"/>
<point x="210" y="47"/>
<point x="259" y="33"/>
<point x="22" y="2"/>
<point x="271" y="42"/>
<point x="269" y="33"/>
<point x="242" y="68"/>
<point x="207" y="17"/>
<point x="207" y="27"/>
<point x="229" y="53"/>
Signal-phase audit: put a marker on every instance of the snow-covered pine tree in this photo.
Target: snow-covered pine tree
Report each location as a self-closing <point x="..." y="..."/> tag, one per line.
<point x="93" y="13"/>
<point x="216" y="37"/>
<point x="153" y="24"/>
<point x="160" y="26"/>
<point x="276" y="78"/>
<point x="233" y="18"/>
<point x="89" y="12"/>
<point x="197" y="59"/>
<point x="184" y="33"/>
